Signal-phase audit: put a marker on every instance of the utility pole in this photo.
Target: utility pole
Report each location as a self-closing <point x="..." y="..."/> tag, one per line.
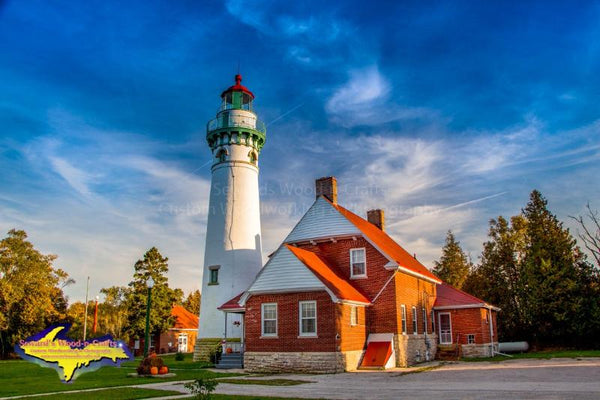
<point x="87" y="289"/>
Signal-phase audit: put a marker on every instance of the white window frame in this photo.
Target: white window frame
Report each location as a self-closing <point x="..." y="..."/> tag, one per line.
<point x="352" y="274"/>
<point x="424" y="312"/>
<point x="440" y="327"/>
<point x="353" y="315"/>
<point x="301" y="318"/>
<point x="415" y="321"/>
<point x="404" y="325"/>
<point x="262" y="320"/>
<point x="469" y="336"/>
<point x="432" y="321"/>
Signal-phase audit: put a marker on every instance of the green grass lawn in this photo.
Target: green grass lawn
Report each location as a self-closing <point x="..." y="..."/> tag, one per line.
<point x="18" y="377"/>
<point x="542" y="354"/>
<point x="113" y="394"/>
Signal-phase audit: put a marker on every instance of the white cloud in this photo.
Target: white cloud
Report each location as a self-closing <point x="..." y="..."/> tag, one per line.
<point x="75" y="177"/>
<point x="365" y="100"/>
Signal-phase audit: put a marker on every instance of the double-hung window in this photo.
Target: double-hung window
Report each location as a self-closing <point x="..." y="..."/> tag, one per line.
<point x="403" y="307"/>
<point x="424" y="320"/>
<point x="414" y="320"/>
<point x="358" y="263"/>
<point x="308" y="318"/>
<point x="269" y="319"/>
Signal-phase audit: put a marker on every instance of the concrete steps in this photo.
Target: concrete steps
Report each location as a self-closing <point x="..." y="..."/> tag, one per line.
<point x="230" y="361"/>
<point x="448" y="353"/>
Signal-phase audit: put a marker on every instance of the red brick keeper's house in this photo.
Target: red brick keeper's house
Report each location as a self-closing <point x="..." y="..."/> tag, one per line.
<point x="340" y="293"/>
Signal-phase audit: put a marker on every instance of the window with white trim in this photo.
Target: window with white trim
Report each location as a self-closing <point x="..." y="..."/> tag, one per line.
<point x="269" y="319"/>
<point x="353" y="316"/>
<point x="470" y="338"/>
<point x="424" y="320"/>
<point x="414" y="320"/>
<point x="403" y="308"/>
<point x="308" y="318"/>
<point x="432" y="322"/>
<point x="358" y="263"/>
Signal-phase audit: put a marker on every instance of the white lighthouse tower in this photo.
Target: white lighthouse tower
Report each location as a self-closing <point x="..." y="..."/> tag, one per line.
<point x="232" y="256"/>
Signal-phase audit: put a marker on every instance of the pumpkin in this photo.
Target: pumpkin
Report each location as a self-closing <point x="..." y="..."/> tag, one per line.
<point x="153" y="371"/>
<point x="163" y="370"/>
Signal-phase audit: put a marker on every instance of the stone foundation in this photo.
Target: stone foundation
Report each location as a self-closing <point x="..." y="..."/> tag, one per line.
<point x="478" y="350"/>
<point x="413" y="349"/>
<point x="205" y="348"/>
<point x="352" y="359"/>
<point x="304" y="362"/>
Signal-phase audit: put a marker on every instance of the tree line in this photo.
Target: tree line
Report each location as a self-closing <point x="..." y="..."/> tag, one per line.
<point x="32" y="297"/>
<point x="532" y="268"/>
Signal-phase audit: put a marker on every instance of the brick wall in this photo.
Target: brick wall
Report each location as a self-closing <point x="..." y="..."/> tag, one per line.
<point x="472" y="321"/>
<point x="414" y="292"/>
<point x="288" y="339"/>
<point x="351" y="337"/>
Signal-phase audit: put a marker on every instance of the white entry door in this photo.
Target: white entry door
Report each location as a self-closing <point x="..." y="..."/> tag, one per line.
<point x="182" y="344"/>
<point x="445" y="325"/>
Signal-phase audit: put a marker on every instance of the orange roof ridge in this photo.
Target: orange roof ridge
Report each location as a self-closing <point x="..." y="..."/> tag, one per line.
<point x="183" y="318"/>
<point x="340" y="287"/>
<point x="385" y="243"/>
<point x="447" y="290"/>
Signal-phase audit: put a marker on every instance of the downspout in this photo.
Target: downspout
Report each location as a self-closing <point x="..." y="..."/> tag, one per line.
<point x="491" y="331"/>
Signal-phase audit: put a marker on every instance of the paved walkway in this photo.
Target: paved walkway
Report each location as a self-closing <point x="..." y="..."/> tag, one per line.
<point x="514" y="379"/>
<point x="563" y="378"/>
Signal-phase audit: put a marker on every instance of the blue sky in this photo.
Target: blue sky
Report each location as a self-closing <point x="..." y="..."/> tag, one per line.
<point x="445" y="114"/>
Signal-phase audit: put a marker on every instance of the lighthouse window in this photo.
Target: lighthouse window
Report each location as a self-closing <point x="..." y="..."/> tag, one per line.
<point x="269" y="319"/>
<point x="252" y="156"/>
<point x="222" y="155"/>
<point x="213" y="278"/>
<point x="358" y="266"/>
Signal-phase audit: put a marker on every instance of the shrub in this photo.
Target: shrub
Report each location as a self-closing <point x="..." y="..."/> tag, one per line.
<point x="179" y="356"/>
<point x="215" y="355"/>
<point x="202" y="388"/>
<point x="149" y="362"/>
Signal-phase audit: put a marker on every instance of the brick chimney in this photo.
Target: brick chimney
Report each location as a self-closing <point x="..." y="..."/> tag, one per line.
<point x="327" y="186"/>
<point x="377" y="218"/>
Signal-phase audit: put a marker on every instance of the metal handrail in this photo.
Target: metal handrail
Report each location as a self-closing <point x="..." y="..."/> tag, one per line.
<point x="230" y="121"/>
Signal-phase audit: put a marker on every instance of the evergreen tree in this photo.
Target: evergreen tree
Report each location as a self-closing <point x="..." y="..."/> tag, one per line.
<point x="549" y="274"/>
<point x="192" y="302"/>
<point x="156" y="266"/>
<point x="533" y="270"/>
<point x="454" y="266"/>
<point x="31" y="296"/>
<point x="497" y="279"/>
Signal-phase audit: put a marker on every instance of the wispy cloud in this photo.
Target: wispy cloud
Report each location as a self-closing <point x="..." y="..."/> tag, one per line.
<point x="365" y="100"/>
<point x="75" y="177"/>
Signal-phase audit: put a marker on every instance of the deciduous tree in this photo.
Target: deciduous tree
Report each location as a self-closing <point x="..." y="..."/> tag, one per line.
<point x="31" y="295"/>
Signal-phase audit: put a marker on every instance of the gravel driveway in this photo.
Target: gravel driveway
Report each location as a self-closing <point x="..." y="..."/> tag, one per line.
<point x="514" y="379"/>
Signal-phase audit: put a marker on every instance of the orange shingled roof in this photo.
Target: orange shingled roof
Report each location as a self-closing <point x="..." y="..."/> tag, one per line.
<point x="340" y="287"/>
<point x="183" y="318"/>
<point x="450" y="296"/>
<point x="385" y="243"/>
